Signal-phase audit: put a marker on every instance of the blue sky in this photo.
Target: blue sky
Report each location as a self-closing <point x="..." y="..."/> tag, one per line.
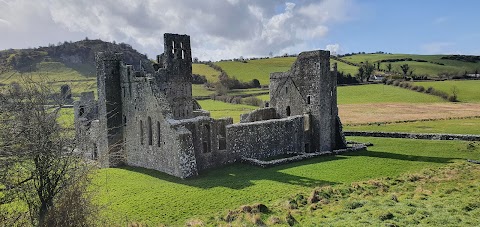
<point x="421" y="27"/>
<point x="249" y="28"/>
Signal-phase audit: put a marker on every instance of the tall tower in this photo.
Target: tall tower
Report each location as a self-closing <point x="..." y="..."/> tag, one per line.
<point x="108" y="66"/>
<point x="177" y="62"/>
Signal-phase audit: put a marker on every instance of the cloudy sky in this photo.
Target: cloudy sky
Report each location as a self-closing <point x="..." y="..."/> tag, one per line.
<point x="233" y="28"/>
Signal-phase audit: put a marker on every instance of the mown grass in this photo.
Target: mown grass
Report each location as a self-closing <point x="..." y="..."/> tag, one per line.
<point x="221" y="109"/>
<point x="467" y="90"/>
<point x="454" y="126"/>
<point x="148" y="196"/>
<point x="207" y="71"/>
<point x="379" y="93"/>
<point x="200" y="90"/>
<point x="420" y="68"/>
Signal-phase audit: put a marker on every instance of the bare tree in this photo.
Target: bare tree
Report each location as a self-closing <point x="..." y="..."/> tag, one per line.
<point x="37" y="159"/>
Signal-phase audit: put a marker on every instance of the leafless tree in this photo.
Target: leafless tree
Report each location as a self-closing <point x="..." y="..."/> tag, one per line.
<point x="38" y="163"/>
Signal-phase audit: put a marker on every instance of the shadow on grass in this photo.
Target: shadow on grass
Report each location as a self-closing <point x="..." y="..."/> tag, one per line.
<point x="239" y="176"/>
<point x="404" y="157"/>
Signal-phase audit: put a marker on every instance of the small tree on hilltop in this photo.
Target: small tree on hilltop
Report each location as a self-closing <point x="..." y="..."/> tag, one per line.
<point x="368" y="69"/>
<point x="405" y="68"/>
<point x="389" y="67"/>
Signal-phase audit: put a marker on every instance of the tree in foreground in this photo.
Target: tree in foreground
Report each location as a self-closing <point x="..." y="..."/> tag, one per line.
<point x="43" y="181"/>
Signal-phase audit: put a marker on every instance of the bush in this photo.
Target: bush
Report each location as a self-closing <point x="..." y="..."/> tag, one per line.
<point x="429" y="90"/>
<point x="420" y="89"/>
<point x="253" y="101"/>
<point x="396" y="83"/>
<point x="452" y="98"/>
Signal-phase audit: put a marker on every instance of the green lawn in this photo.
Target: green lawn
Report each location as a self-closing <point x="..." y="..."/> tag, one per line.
<point x="221" y="109"/>
<point x="467" y="90"/>
<point x="379" y="93"/>
<point x="455" y="126"/>
<point x="345" y="68"/>
<point x="205" y="70"/>
<point x="136" y="194"/>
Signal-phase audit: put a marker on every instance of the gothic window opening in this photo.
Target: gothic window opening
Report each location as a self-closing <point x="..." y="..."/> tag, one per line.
<point x="206" y="139"/>
<point x="158" y="134"/>
<point x="141" y="132"/>
<point x="288" y="110"/>
<point x="286" y="90"/>
<point x="150" y="136"/>
<point x="81" y="111"/>
<point x="308" y="99"/>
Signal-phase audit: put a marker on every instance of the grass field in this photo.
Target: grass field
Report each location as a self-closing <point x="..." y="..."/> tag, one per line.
<point x="136" y="194"/>
<point x="391" y="112"/>
<point x="467" y="90"/>
<point x="379" y="93"/>
<point x="455" y="126"/>
<point x="207" y="71"/>
<point x="420" y="68"/>
<point x="261" y="69"/>
<point x="221" y="109"/>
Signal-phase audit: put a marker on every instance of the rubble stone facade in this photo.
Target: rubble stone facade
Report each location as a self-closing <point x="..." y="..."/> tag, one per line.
<point x="150" y="120"/>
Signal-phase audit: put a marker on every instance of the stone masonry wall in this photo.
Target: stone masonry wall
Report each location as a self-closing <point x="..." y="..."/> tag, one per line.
<point x="264" y="139"/>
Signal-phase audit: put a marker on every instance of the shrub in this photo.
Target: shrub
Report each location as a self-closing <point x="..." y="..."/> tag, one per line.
<point x="396" y="83"/>
<point x="252" y="101"/>
<point x="452" y="98"/>
<point x="420" y="89"/>
<point x="429" y="90"/>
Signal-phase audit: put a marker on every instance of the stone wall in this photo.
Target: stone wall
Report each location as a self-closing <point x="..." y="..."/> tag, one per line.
<point x="264" y="139"/>
<point x="259" y="115"/>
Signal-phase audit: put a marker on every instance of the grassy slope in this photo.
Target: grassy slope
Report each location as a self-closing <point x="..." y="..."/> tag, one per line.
<point x="261" y="69"/>
<point x="221" y="109"/>
<point x="136" y="194"/>
<point x="205" y="70"/>
<point x="420" y="68"/>
<point x="456" y="126"/>
<point x="468" y="90"/>
<point x="377" y="93"/>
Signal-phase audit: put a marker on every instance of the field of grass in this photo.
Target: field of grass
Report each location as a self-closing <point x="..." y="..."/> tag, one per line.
<point x="454" y="126"/>
<point x="200" y="90"/>
<point x="379" y="93"/>
<point x="221" y="109"/>
<point x="467" y="90"/>
<point x="148" y="196"/>
<point x="420" y="68"/>
<point x="207" y="71"/>
<point x="261" y="69"/>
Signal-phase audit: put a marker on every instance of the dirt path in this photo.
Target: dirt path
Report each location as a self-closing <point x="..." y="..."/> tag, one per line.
<point x="364" y="113"/>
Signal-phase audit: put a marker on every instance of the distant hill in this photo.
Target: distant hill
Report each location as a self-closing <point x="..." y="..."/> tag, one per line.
<point x="79" y="56"/>
<point x="422" y="65"/>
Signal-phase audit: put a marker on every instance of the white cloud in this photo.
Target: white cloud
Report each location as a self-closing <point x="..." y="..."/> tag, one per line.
<point x="333" y="48"/>
<point x="218" y="29"/>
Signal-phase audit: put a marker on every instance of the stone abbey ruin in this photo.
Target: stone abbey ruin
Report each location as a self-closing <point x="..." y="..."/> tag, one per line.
<point x="150" y="120"/>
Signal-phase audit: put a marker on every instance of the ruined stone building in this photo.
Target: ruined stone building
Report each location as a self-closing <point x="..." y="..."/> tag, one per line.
<point x="150" y="120"/>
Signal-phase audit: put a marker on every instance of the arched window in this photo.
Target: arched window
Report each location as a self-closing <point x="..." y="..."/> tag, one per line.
<point x="81" y="111"/>
<point x="149" y="127"/>
<point x="288" y="110"/>
<point x="141" y="132"/>
<point x="286" y="90"/>
<point x="206" y="139"/>
<point x="158" y="134"/>
<point x="308" y="99"/>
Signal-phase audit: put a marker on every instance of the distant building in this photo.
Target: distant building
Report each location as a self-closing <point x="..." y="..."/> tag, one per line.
<point x="150" y="120"/>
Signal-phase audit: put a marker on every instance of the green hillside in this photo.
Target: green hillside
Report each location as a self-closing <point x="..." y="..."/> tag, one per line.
<point x="260" y="69"/>
<point x="432" y="67"/>
<point x="467" y="90"/>
<point x="205" y="70"/>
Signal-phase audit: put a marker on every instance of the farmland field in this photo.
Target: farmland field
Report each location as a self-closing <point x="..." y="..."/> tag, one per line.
<point x="148" y="196"/>
<point x="221" y="109"/>
<point x="467" y="90"/>
<point x="455" y="126"/>
<point x="205" y="70"/>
